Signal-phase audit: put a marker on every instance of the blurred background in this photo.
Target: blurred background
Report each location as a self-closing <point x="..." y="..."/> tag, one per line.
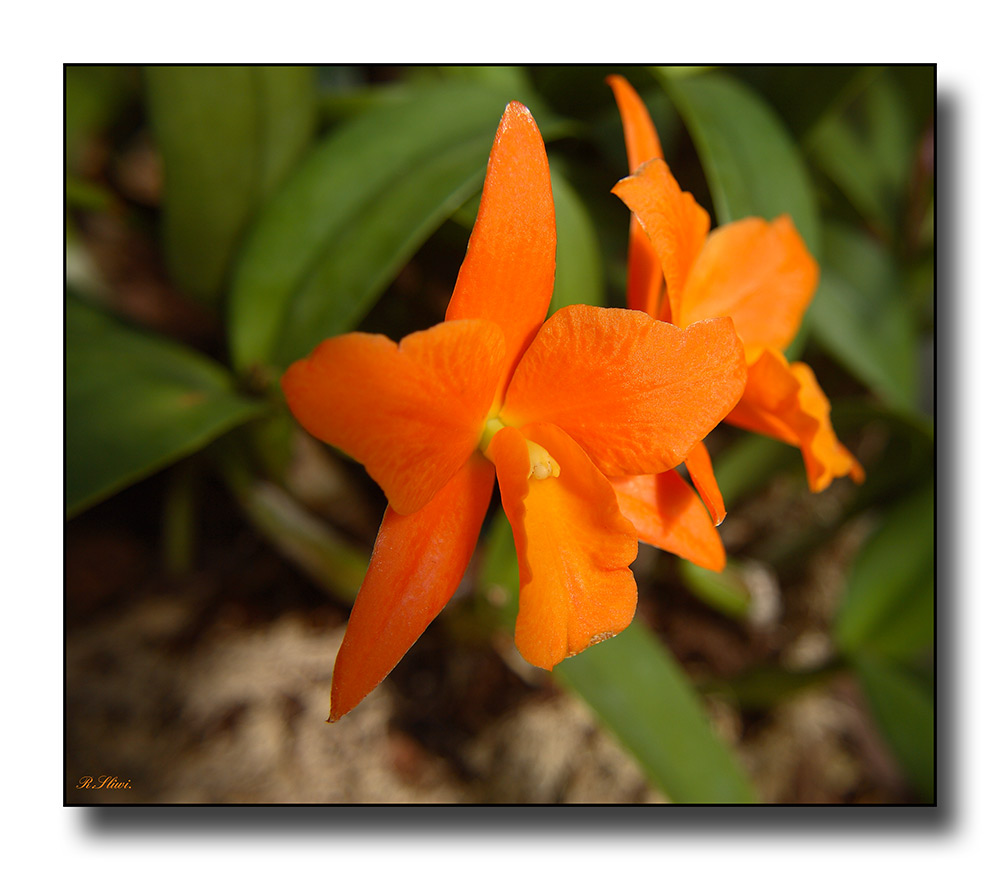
<point x="221" y="221"/>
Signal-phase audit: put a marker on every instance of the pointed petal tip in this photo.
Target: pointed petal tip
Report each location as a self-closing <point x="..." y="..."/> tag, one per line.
<point x="515" y="108"/>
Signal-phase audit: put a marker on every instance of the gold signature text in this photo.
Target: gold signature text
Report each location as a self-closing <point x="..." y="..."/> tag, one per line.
<point x="106" y="781"/>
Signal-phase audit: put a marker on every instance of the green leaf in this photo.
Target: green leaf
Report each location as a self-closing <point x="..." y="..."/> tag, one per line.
<point x="904" y="450"/>
<point x="868" y="149"/>
<point x="228" y="135"/>
<point x="640" y="693"/>
<point x="753" y="166"/>
<point x="723" y="590"/>
<point x="94" y="95"/>
<point x="829" y="87"/>
<point x="512" y="80"/>
<point x="333" y="563"/>
<point x="353" y="214"/>
<point x="766" y="686"/>
<point x="751" y="462"/>
<point x="135" y="403"/>
<point x="368" y="253"/>
<point x="903" y="709"/>
<point x="861" y="316"/>
<point x="579" y="275"/>
<point x="888" y="606"/>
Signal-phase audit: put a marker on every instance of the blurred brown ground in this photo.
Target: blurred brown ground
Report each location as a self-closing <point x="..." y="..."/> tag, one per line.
<point x="213" y="688"/>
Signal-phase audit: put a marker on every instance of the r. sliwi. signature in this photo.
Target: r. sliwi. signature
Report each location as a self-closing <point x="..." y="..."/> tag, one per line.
<point x="106" y="781"/>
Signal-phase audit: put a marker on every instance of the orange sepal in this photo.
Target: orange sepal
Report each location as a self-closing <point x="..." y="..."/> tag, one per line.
<point x="416" y="566"/>
<point x="645" y="275"/>
<point x="641" y="141"/>
<point x="785" y="402"/>
<point x="635" y="393"/>
<point x="574" y="547"/>
<point x="699" y="467"/>
<point x="667" y="514"/>
<point x="675" y="223"/>
<point x="761" y="274"/>
<point x="508" y="272"/>
<point x="412" y="413"/>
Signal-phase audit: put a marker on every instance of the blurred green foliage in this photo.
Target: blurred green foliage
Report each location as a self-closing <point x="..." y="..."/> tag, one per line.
<point x="298" y="203"/>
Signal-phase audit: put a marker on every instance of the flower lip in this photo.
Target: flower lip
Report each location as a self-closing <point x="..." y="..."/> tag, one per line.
<point x="541" y="465"/>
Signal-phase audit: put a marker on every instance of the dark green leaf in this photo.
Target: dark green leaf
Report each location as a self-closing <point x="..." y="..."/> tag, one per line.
<point x="888" y="606"/>
<point x="861" y="316"/>
<point x="724" y="590"/>
<point x="579" y="276"/>
<point x="750" y="462"/>
<point x="336" y="565"/>
<point x="228" y="135"/>
<point x="512" y="80"/>
<point x="368" y="253"/>
<point x="766" y="686"/>
<point x="868" y="149"/>
<point x="802" y="107"/>
<point x="753" y="166"/>
<point x="94" y="94"/>
<point x="135" y="403"/>
<point x="900" y="454"/>
<point x="903" y="709"/>
<point x="352" y="215"/>
<point x="639" y="692"/>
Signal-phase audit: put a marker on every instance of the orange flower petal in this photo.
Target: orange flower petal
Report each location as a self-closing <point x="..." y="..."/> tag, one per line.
<point x="785" y="402"/>
<point x="667" y="514"/>
<point x="758" y="273"/>
<point x="675" y="223"/>
<point x="574" y="548"/>
<point x="645" y="275"/>
<point x="415" y="568"/>
<point x="644" y="290"/>
<point x="641" y="141"/>
<point x="635" y="393"/>
<point x="509" y="269"/>
<point x="412" y="413"/>
<point x="699" y="468"/>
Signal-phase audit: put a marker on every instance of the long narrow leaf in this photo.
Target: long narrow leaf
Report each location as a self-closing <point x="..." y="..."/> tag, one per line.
<point x="227" y="136"/>
<point x="752" y="163"/>
<point x="861" y="317"/>
<point x="640" y="693"/>
<point x="643" y="696"/>
<point x="579" y="275"/>
<point x="357" y="208"/>
<point x="135" y="403"/>
<point x="888" y="606"/>
<point x="903" y="708"/>
<point x="364" y="258"/>
<point x="870" y="158"/>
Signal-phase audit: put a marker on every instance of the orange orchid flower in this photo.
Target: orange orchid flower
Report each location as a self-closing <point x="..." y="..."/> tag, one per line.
<point x="757" y="272"/>
<point x="549" y="409"/>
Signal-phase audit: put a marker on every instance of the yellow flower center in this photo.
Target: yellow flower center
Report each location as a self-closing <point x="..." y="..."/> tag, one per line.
<point x="541" y="465"/>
